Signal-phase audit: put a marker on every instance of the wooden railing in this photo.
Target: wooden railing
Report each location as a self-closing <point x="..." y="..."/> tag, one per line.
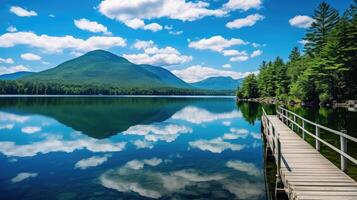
<point x="291" y="119"/>
<point x="273" y="139"/>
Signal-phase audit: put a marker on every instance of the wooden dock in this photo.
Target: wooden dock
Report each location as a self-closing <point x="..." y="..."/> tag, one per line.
<point x="303" y="171"/>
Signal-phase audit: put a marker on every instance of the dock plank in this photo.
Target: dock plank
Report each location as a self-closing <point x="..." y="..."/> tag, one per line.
<point x="307" y="174"/>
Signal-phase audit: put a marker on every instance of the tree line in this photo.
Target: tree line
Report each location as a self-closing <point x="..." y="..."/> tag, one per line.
<point x="15" y="87"/>
<point x="324" y="72"/>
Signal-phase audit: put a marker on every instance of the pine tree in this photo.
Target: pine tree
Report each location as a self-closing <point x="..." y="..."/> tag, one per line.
<point x="325" y="18"/>
<point x="282" y="79"/>
<point x="294" y="55"/>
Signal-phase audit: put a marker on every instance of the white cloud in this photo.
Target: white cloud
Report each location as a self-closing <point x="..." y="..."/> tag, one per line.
<point x="13" y="69"/>
<point x="91" y="26"/>
<point x="231" y="52"/>
<point x="250" y="20"/>
<point x="59" y="43"/>
<point x="7" y="60"/>
<point x="242" y="4"/>
<point x="30" y="56"/>
<point x="11" y="29"/>
<point x="303" y="42"/>
<point x="21" y="12"/>
<point x="216" y="43"/>
<point x="139" y="164"/>
<point x="58" y="145"/>
<point x="154" y="133"/>
<point x="156" y="56"/>
<point x="141" y="144"/>
<point x="226" y="66"/>
<point x="301" y="21"/>
<point x="154" y="27"/>
<point x="31" y="129"/>
<point x="7" y="126"/>
<point x="153" y="161"/>
<point x="197" y="73"/>
<point x="160" y="184"/>
<point x="239" y="58"/>
<point x="226" y="123"/>
<point x="134" y="164"/>
<point x="141" y="44"/>
<point x="235" y="134"/>
<point x="51" y="15"/>
<point x="256" y="45"/>
<point x="13" y="118"/>
<point x="256" y="53"/>
<point x="91" y="162"/>
<point x="230" y="136"/>
<point x="22" y="176"/>
<point x="168" y="27"/>
<point x="245" y="189"/>
<point x="175" y="32"/>
<point x="216" y="145"/>
<point x="248" y="168"/>
<point x="198" y="115"/>
<point x="133" y="13"/>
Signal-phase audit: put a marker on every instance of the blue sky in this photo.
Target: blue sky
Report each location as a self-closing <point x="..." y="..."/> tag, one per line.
<point x="193" y="39"/>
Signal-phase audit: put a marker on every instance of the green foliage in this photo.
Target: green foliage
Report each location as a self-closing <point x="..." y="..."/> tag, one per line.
<point x="326" y="72"/>
<point x="249" y="88"/>
<point x="47" y="88"/>
<point x="325" y="18"/>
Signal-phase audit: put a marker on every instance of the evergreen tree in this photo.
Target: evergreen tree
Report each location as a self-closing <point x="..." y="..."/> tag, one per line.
<point x="249" y="88"/>
<point x="294" y="55"/>
<point x="282" y="79"/>
<point x="325" y="18"/>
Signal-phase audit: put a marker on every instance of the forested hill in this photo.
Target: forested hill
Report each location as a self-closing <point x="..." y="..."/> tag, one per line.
<point x="218" y="83"/>
<point x="101" y="67"/>
<point x="326" y="71"/>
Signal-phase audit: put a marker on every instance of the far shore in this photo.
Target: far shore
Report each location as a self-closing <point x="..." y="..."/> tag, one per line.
<point x="139" y="96"/>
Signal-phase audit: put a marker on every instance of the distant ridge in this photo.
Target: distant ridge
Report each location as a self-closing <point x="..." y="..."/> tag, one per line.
<point x="218" y="83"/>
<point x="101" y="67"/>
<point x="16" y="75"/>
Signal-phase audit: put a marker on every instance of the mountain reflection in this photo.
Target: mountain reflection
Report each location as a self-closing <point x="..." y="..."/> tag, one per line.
<point x="103" y="117"/>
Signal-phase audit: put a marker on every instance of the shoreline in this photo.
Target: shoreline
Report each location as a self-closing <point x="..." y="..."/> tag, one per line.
<point x="125" y="96"/>
<point x="349" y="104"/>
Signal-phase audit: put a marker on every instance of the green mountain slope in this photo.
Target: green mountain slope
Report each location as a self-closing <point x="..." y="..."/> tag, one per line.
<point x="100" y="67"/>
<point x="218" y="83"/>
<point x="167" y="76"/>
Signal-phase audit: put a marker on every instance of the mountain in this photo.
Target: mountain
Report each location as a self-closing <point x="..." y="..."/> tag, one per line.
<point x="101" y="67"/>
<point x="166" y="76"/>
<point x="14" y="76"/>
<point x="218" y="83"/>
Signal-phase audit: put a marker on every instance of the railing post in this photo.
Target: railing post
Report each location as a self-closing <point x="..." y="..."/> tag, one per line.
<point x="317" y="142"/>
<point x="294" y="123"/>
<point x="303" y="129"/>
<point x="279" y="154"/>
<point x="343" y="148"/>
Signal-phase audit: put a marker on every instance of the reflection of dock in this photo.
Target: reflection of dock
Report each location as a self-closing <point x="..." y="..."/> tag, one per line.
<point x="302" y="170"/>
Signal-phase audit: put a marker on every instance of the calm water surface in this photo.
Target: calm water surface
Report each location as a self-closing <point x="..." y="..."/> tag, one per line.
<point x="130" y="148"/>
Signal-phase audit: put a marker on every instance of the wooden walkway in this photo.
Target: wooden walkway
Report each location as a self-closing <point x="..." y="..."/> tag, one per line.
<point x="305" y="173"/>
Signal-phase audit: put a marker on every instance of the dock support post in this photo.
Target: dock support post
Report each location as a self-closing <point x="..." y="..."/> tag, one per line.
<point x="317" y="142"/>
<point x="343" y="148"/>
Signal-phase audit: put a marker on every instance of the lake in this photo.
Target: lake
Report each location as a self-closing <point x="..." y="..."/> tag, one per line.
<point x="130" y="148"/>
<point x="143" y="147"/>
